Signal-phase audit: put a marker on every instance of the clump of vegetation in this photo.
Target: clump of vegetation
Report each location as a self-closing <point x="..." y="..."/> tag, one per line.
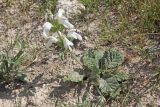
<point x="10" y="63"/>
<point x="125" y="23"/>
<point x="104" y="71"/>
<point x="52" y="31"/>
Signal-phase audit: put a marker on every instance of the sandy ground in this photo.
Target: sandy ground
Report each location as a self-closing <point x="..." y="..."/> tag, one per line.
<point x="45" y="72"/>
<point x="44" y="75"/>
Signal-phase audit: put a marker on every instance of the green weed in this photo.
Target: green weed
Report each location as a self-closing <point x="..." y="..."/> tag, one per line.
<point x="104" y="72"/>
<point x="11" y="61"/>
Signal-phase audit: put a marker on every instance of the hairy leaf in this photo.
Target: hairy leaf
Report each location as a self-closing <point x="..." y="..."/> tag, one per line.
<point x="120" y="76"/>
<point x="109" y="86"/>
<point x="91" y="60"/>
<point x="111" y="59"/>
<point x="74" y="77"/>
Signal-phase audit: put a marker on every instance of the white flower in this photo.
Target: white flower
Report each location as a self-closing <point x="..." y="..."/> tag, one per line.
<point x="63" y="20"/>
<point x="45" y="35"/>
<point x="46" y="28"/>
<point x="50" y="41"/>
<point x="75" y="35"/>
<point x="66" y="23"/>
<point x="56" y="34"/>
<point x="60" y="14"/>
<point x="67" y="43"/>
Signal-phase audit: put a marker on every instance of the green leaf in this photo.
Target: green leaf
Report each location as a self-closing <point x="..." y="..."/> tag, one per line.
<point x="21" y="44"/>
<point x="91" y="60"/>
<point x="98" y="55"/>
<point x="109" y="86"/>
<point x="56" y="26"/>
<point x="116" y="92"/>
<point x="74" y="77"/>
<point x="61" y="55"/>
<point x="17" y="60"/>
<point x="120" y="76"/>
<point x="111" y="59"/>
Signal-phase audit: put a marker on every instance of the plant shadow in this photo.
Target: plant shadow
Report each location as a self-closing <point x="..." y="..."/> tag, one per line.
<point x="78" y="90"/>
<point x="29" y="88"/>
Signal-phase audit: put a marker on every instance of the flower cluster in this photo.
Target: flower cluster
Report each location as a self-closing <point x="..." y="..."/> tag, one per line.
<point x="57" y="36"/>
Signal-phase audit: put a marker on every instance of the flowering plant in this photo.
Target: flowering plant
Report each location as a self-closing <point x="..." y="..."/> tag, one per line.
<point x="54" y="29"/>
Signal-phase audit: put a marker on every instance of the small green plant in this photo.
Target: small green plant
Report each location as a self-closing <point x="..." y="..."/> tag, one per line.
<point x="104" y="71"/>
<point x="52" y="31"/>
<point x="10" y="63"/>
<point x="111" y="59"/>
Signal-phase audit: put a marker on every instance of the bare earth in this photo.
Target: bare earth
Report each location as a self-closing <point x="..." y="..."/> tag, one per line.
<point x="45" y="70"/>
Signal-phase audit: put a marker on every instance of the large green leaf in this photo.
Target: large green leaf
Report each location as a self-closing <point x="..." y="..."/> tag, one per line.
<point x="74" y="77"/>
<point x="111" y="59"/>
<point x="109" y="86"/>
<point x="91" y="60"/>
<point x="16" y="60"/>
<point x="120" y="76"/>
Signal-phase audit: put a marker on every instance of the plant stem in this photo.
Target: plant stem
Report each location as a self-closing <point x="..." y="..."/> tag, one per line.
<point x="76" y="59"/>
